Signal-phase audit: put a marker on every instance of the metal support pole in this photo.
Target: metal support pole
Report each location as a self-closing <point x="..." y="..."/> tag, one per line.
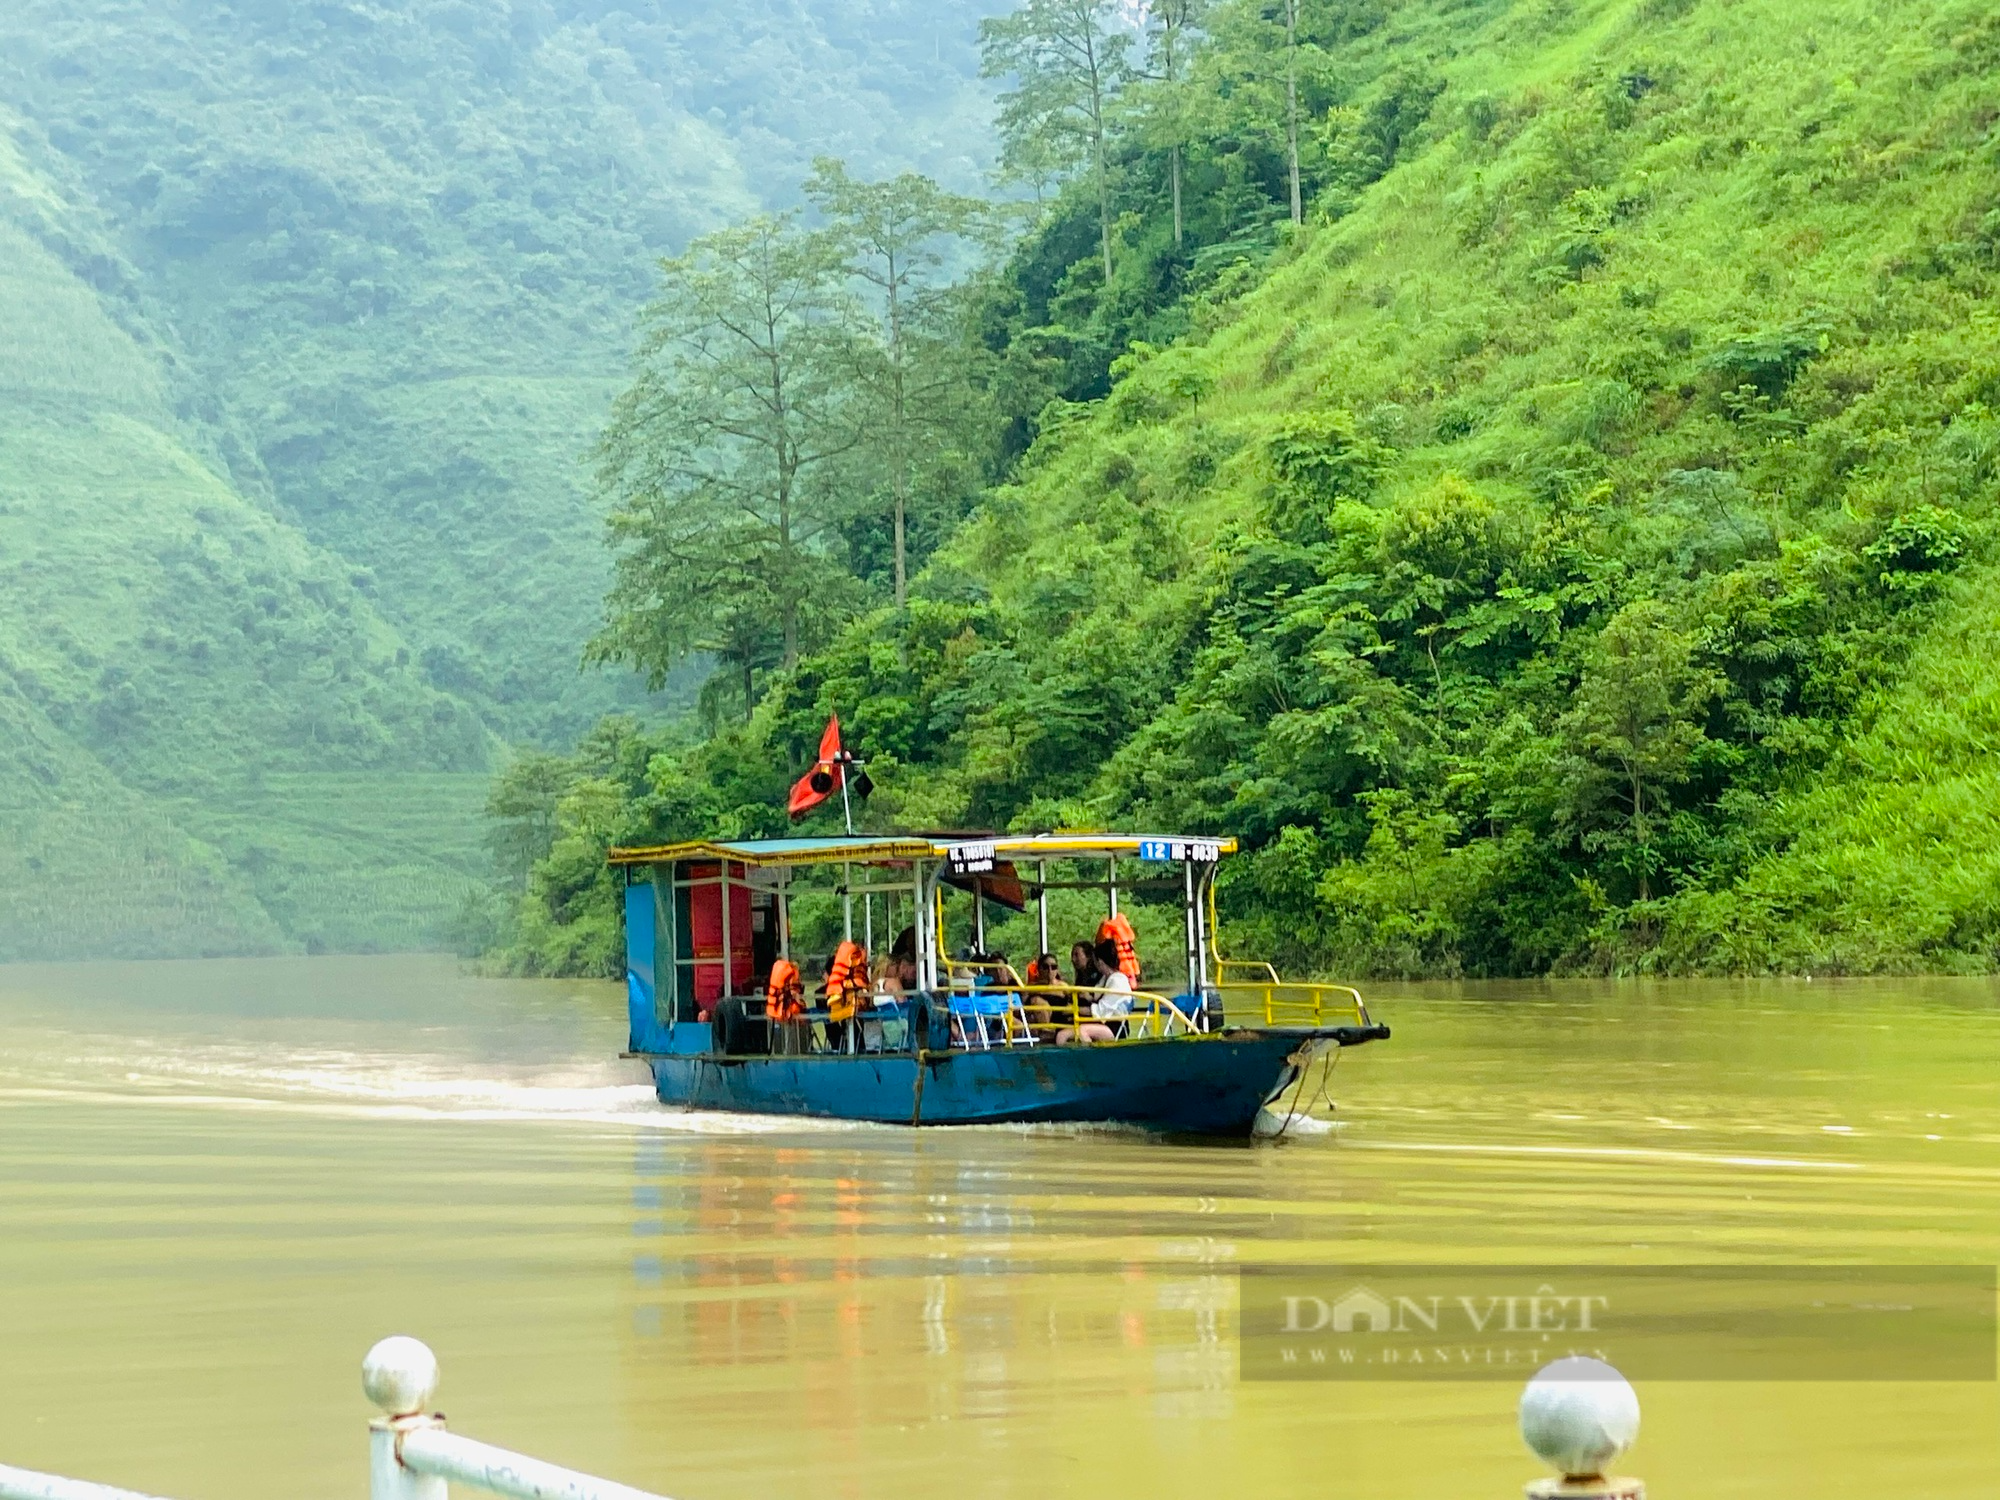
<point x="400" y="1376"/>
<point x="929" y="920"/>
<point x="847" y="901"/>
<point x="785" y="914"/>
<point x="978" y="919"/>
<point x="1193" y="938"/>
<point x="728" y="958"/>
<point x="868" y="924"/>
<point x="388" y="1478"/>
<point x="1042" y="907"/>
<point x="1111" y="880"/>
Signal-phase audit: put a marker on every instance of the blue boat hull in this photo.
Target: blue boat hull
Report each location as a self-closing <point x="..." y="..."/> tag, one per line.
<point x="1211" y="1085"/>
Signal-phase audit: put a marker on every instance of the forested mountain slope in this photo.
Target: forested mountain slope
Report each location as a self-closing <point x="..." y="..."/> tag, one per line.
<point x="307" y="316"/>
<point x="1574" y="554"/>
<point x="400" y="246"/>
<point x="161" y="636"/>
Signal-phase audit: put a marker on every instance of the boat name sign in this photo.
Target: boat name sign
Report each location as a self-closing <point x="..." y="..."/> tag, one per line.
<point x="971" y="859"/>
<point x="1194" y="851"/>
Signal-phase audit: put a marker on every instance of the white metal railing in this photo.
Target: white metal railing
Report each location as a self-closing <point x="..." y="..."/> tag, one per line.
<point x="411" y="1456"/>
<point x="1578" y="1415"/>
<point x="25" y="1484"/>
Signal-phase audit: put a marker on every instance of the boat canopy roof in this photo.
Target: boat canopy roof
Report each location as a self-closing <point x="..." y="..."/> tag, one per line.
<point x="890" y="848"/>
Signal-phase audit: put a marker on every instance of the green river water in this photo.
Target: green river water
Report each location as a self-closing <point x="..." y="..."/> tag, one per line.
<point x="220" y="1182"/>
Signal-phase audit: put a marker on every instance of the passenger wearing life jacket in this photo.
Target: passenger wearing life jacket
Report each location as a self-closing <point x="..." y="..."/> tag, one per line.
<point x="846" y="991"/>
<point x="785" y="1007"/>
<point x="1116" y="930"/>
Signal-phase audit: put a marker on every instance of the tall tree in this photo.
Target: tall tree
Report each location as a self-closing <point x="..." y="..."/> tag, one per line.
<point x="1292" y="107"/>
<point x="1171" y="34"/>
<point x="895" y="236"/>
<point x="1636" y="724"/>
<point x="1264" y="71"/>
<point x="714" y="461"/>
<point x="1068" y="62"/>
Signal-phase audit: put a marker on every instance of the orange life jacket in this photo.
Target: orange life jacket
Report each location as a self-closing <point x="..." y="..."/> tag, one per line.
<point x="784" y="995"/>
<point x="846" y="981"/>
<point x="1120" y="932"/>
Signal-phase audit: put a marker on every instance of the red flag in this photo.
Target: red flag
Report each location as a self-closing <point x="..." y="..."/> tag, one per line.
<point x="829" y="774"/>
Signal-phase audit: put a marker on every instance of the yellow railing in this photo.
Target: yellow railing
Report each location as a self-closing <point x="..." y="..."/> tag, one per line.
<point x="1043" y="1013"/>
<point x="1260" y="1003"/>
<point x="1261" y="998"/>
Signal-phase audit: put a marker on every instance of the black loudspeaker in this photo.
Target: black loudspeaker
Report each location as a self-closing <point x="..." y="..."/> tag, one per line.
<point x="822" y="781"/>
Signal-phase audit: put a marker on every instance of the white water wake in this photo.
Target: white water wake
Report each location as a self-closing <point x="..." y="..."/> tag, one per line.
<point x="348" y="1084"/>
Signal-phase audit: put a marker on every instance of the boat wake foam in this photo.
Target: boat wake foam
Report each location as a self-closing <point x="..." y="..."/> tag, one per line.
<point x="367" y="1085"/>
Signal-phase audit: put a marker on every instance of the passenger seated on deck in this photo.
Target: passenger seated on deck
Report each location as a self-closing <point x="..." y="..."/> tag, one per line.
<point x="895" y="982"/>
<point x="1112" y="979"/>
<point x="1038" y="1004"/>
<point x="898" y="975"/>
<point x="1095" y="972"/>
<point x="785" y="1008"/>
<point x="846" y="993"/>
<point x="1117" y="930"/>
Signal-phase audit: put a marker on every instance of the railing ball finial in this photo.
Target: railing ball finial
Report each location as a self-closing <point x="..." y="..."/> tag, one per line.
<point x="1578" y="1415"/>
<point x="400" y="1375"/>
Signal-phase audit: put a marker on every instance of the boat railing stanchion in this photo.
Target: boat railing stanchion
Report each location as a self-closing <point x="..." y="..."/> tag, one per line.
<point x="411" y="1456"/>
<point x="400" y="1376"/>
<point x="1578" y="1416"/>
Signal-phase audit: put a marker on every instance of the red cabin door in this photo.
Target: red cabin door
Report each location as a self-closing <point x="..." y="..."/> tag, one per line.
<point x="705" y="927"/>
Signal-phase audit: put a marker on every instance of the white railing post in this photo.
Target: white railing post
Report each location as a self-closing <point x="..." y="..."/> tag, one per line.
<point x="400" y="1376"/>
<point x="412" y="1457"/>
<point x="1578" y="1415"/>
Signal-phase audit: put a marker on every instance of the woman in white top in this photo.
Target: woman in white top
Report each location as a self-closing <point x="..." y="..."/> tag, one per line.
<point x="1116" y="1001"/>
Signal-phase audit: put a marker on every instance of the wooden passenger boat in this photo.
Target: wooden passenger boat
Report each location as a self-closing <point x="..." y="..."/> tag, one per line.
<point x="968" y="1042"/>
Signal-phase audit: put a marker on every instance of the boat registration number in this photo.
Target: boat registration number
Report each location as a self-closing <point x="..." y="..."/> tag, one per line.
<point x="1194" y="851"/>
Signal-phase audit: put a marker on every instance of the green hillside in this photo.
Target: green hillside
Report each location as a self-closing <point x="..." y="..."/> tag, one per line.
<point x="161" y="636"/>
<point x="400" y="245"/>
<point x="1566" y="550"/>
<point x="307" y="318"/>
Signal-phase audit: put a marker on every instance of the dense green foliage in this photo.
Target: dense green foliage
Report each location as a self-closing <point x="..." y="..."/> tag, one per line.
<point x="308" y="317"/>
<point x="1568" y="548"/>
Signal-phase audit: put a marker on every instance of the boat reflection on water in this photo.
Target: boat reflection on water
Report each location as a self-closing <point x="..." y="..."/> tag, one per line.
<point x="933" y="1273"/>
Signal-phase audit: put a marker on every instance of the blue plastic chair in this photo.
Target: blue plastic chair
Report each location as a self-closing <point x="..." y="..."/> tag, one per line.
<point x="972" y="1010"/>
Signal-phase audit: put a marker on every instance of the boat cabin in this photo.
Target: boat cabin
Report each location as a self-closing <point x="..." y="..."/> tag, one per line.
<point x="705" y="922"/>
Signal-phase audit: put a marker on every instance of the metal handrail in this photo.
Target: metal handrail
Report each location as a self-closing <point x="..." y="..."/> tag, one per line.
<point x="1281" y="1004"/>
<point x="26" y="1484"/>
<point x="412" y="1457"/>
<point x="1224" y="965"/>
<point x="1573" y="1411"/>
<point x="433" y="1453"/>
<point x="1070" y="1005"/>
